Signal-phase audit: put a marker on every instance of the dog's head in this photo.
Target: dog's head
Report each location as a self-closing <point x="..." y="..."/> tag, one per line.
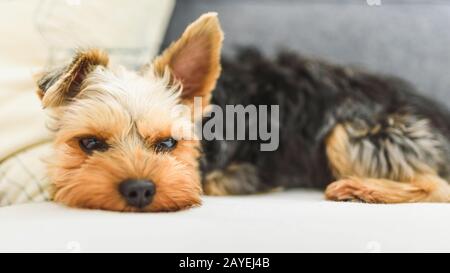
<point x="114" y="144"/>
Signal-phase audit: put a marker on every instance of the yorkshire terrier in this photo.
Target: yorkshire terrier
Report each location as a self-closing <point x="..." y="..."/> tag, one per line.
<point x="361" y="136"/>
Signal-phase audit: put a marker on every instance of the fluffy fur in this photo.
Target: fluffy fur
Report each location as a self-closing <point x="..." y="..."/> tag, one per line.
<point x="374" y="136"/>
<point x="131" y="112"/>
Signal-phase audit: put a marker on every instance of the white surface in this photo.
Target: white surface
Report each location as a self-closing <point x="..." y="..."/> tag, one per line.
<point x="296" y="221"/>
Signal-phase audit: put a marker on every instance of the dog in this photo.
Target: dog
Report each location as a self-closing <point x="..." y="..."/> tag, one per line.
<point x="359" y="136"/>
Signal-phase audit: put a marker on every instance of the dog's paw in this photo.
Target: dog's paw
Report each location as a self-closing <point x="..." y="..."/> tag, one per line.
<point x="350" y="190"/>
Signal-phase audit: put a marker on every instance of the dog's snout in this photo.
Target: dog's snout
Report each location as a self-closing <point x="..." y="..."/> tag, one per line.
<point x="137" y="192"/>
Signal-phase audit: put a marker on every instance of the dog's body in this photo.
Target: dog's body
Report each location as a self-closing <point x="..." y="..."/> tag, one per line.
<point x="115" y="147"/>
<point x="335" y="122"/>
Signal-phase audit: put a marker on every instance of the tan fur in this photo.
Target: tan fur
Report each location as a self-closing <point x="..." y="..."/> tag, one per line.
<point x="131" y="126"/>
<point x="215" y="184"/>
<point x="130" y="111"/>
<point x="358" y="180"/>
<point x="389" y="160"/>
<point x="72" y="75"/>
<point x="424" y="188"/>
<point x="236" y="179"/>
<point x="203" y="37"/>
<point x="337" y="146"/>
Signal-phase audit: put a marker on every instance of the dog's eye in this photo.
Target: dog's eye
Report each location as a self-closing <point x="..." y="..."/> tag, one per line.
<point x="91" y="144"/>
<point x="166" y="144"/>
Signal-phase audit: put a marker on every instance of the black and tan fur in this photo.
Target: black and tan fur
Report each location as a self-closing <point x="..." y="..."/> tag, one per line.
<point x="361" y="136"/>
<point x="373" y="136"/>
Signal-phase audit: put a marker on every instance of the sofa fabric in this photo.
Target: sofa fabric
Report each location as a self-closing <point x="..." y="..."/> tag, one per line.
<point x="409" y="39"/>
<point x="294" y="221"/>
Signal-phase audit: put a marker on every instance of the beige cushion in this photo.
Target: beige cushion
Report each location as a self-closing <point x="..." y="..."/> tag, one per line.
<point x="36" y="34"/>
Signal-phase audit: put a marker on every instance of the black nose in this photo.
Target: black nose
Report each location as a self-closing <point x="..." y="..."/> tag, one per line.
<point x="137" y="192"/>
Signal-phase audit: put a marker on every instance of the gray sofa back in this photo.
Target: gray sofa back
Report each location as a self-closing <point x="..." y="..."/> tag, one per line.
<point x="406" y="38"/>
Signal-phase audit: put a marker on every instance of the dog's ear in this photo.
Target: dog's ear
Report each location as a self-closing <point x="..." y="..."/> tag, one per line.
<point x="194" y="59"/>
<point x="57" y="86"/>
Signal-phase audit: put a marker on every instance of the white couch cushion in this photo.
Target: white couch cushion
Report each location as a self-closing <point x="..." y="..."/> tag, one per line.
<point x="295" y="221"/>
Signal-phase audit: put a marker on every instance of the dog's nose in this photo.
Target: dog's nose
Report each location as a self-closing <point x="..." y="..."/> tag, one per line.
<point x="137" y="192"/>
